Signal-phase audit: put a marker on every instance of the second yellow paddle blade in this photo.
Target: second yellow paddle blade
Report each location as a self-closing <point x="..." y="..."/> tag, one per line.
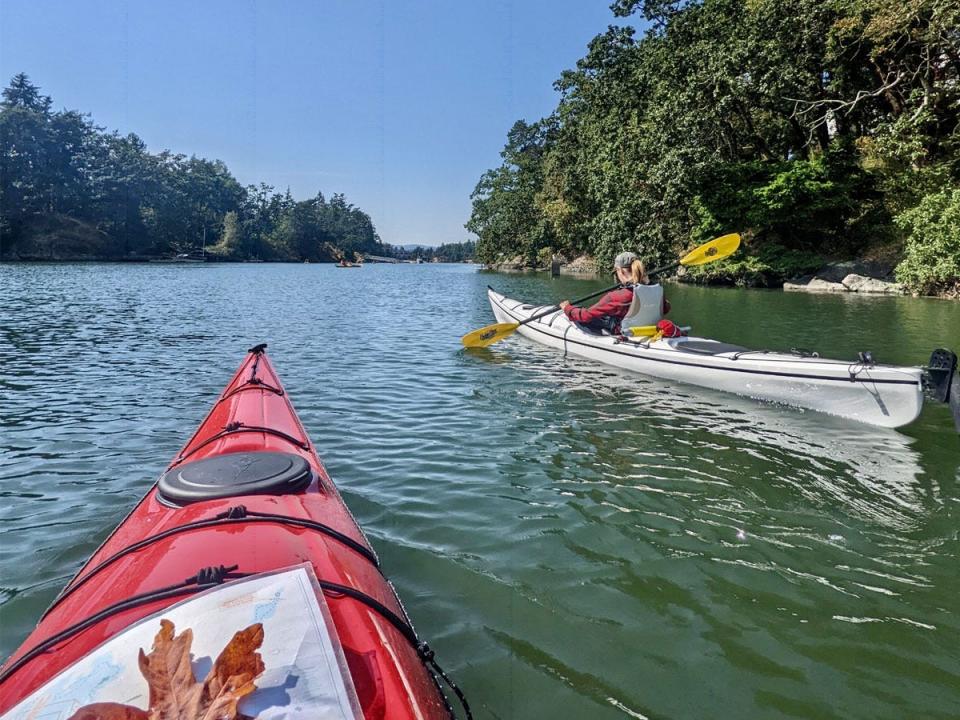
<point x="488" y="335"/>
<point x="716" y="249"/>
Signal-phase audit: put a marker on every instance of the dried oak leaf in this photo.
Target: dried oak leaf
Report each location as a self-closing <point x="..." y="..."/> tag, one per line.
<point x="174" y="692"/>
<point x="232" y="675"/>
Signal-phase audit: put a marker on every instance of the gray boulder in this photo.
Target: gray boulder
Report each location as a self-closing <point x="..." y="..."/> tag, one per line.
<point x="836" y="272"/>
<point x="862" y="284"/>
<point x="508" y="263"/>
<point x="584" y="264"/>
<point x="817" y="284"/>
<point x="859" y="276"/>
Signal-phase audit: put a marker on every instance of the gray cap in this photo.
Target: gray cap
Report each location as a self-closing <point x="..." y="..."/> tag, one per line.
<point x="624" y="260"/>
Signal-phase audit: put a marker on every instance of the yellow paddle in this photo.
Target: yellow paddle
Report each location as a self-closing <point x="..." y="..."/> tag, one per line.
<point x="716" y="249"/>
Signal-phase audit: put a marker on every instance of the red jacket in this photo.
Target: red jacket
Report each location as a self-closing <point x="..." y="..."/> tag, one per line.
<point x="614" y="305"/>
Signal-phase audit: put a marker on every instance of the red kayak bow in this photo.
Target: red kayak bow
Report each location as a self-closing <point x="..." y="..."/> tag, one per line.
<point x="246" y="500"/>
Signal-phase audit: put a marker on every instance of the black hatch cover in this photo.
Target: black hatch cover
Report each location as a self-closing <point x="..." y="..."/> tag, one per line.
<point x="248" y="473"/>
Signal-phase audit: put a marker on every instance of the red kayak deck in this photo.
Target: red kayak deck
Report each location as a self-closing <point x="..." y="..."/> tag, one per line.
<point x="161" y="544"/>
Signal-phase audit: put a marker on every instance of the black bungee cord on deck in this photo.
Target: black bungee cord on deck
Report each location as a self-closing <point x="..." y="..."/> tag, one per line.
<point x="234" y="515"/>
<point x="205" y="578"/>
<point x="423" y="650"/>
<point x="210" y="577"/>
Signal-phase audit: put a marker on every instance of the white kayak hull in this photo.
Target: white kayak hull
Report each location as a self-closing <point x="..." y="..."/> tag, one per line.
<point x="881" y="395"/>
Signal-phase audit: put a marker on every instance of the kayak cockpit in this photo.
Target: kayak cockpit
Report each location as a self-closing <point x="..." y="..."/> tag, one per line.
<point x="706" y="347"/>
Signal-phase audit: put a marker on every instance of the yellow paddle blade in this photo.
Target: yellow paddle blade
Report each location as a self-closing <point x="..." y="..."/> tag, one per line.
<point x="488" y="335"/>
<point x="643" y="330"/>
<point x="716" y="249"/>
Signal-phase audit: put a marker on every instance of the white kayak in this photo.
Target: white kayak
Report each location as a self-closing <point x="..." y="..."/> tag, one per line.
<point x="883" y="395"/>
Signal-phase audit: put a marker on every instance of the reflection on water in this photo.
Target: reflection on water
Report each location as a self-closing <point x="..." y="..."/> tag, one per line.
<point x="575" y="541"/>
<point x="872" y="471"/>
<point x="743" y="515"/>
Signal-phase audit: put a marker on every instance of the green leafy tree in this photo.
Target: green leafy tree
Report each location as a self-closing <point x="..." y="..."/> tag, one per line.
<point x="931" y="261"/>
<point x="505" y="214"/>
<point x="234" y="243"/>
<point x="807" y="125"/>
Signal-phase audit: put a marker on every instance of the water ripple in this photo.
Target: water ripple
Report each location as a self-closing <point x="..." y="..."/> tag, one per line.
<point x="575" y="541"/>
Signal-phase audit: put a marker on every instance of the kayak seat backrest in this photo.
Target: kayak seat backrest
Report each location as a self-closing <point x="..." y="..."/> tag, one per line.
<point x="233" y="475"/>
<point x="646" y="308"/>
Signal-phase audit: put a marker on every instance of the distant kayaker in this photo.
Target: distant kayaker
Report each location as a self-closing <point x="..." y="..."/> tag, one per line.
<point x="639" y="303"/>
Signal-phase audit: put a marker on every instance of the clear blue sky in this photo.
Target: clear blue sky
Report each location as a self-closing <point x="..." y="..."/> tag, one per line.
<point x="401" y="105"/>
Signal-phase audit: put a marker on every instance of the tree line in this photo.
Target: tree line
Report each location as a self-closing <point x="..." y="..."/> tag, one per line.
<point x="63" y="177"/>
<point x="821" y="129"/>
<point x="455" y="252"/>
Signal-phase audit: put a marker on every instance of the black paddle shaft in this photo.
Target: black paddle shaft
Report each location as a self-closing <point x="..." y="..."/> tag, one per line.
<point x="593" y="295"/>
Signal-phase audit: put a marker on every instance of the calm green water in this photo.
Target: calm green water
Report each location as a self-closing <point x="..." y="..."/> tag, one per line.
<point x="575" y="541"/>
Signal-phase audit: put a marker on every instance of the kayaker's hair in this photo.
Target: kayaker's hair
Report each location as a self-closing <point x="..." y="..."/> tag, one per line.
<point x="638" y="273"/>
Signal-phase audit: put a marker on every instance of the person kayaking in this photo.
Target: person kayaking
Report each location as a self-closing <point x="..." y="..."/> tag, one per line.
<point x="637" y="303"/>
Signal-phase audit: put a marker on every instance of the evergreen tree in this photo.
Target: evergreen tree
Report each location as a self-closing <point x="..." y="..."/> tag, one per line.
<point x="56" y="166"/>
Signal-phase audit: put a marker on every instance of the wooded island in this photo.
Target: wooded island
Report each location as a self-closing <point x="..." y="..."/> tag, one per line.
<point x="71" y="191"/>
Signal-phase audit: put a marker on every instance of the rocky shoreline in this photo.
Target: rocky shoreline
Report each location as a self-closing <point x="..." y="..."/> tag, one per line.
<point x="583" y="265"/>
<point x="850" y="276"/>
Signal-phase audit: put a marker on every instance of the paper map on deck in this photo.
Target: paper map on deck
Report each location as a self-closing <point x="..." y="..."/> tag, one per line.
<point x="305" y="675"/>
